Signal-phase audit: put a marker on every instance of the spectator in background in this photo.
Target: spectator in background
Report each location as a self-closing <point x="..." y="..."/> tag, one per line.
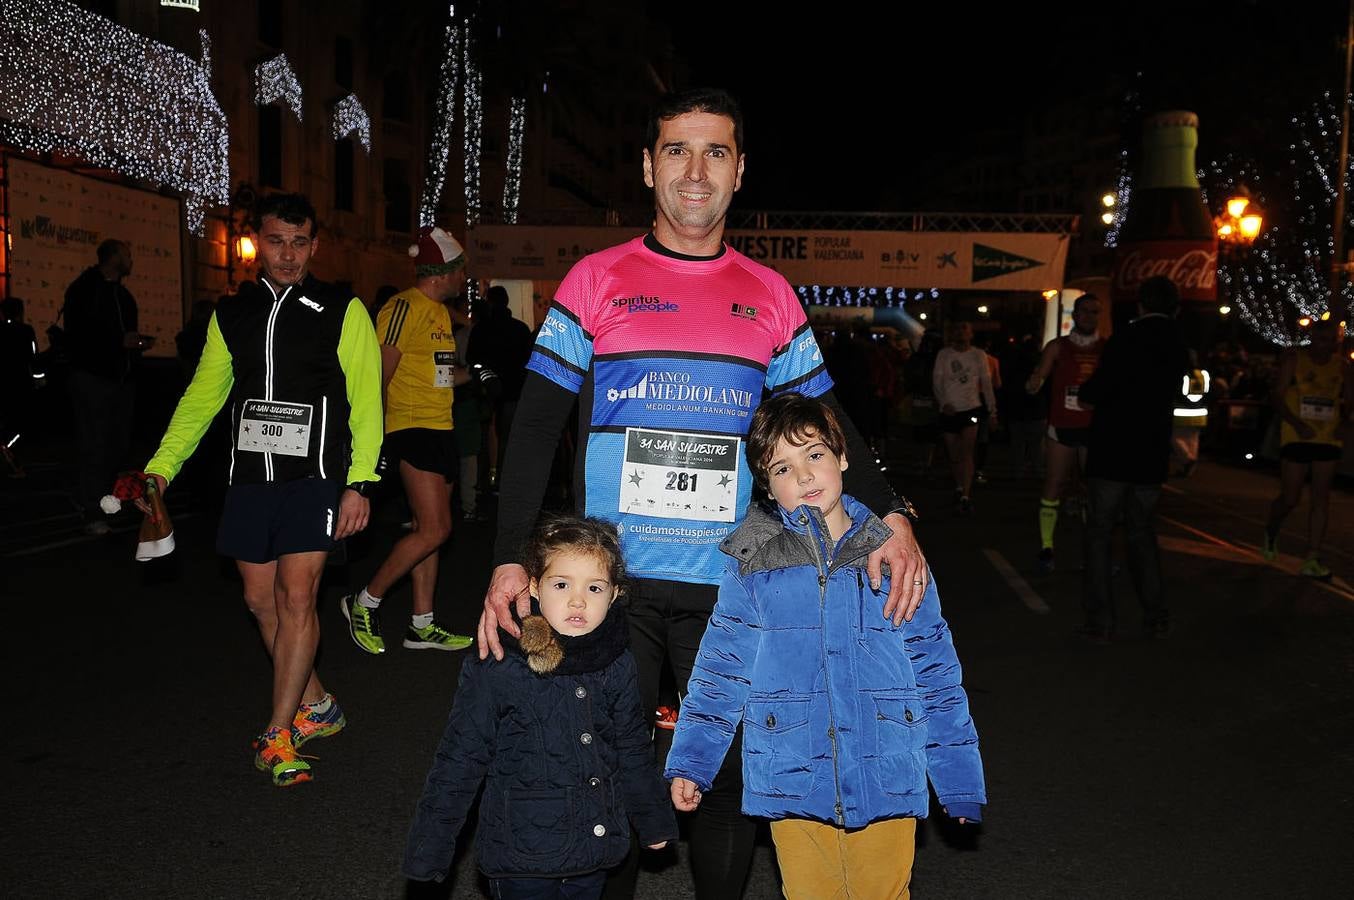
<point x="471" y="410"/>
<point x="190" y="341"/>
<point x="850" y="371"/>
<point x="19" y="376"/>
<point x="984" y="343"/>
<point x="1132" y="398"/>
<point x="503" y="344"/>
<point x="963" y="387"/>
<point x="104" y="351"/>
<point x="1023" y="411"/>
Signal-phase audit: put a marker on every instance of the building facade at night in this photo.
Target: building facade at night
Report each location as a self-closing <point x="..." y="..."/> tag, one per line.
<point x="339" y="101"/>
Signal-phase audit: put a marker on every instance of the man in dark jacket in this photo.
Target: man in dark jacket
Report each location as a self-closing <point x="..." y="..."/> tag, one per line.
<point x="1133" y="395"/>
<point x="502" y="343"/>
<point x="104" y="349"/>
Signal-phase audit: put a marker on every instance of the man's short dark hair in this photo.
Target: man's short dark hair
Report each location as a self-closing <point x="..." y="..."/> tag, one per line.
<point x="497" y="296"/>
<point x="715" y="101"/>
<point x="795" y="418"/>
<point x="1084" y="298"/>
<point x="109" y="249"/>
<point x="1159" y="294"/>
<point x="294" y="209"/>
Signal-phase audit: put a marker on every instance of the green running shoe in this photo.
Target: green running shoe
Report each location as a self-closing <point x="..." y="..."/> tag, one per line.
<point x="1270" y="550"/>
<point x="363" y="625"/>
<point x="1313" y="568"/>
<point x="275" y="755"/>
<point x="435" y="637"/>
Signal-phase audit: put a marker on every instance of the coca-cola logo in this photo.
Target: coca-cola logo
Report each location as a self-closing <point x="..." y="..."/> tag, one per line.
<point x="1194" y="271"/>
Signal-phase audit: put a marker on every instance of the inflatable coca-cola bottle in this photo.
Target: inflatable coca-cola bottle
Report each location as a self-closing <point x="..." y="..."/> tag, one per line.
<point x="1167" y="229"/>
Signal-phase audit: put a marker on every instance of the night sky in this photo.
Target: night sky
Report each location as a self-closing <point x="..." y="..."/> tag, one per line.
<point x="855" y="106"/>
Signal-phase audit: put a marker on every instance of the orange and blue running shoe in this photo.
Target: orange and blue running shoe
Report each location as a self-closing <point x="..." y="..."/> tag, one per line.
<point x="275" y="755"/>
<point x="309" y="723"/>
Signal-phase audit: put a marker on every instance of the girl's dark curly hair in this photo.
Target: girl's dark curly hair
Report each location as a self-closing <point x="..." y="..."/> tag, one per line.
<point x="578" y="535"/>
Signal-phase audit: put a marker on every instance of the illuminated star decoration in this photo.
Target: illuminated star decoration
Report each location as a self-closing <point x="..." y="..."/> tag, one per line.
<point x="349" y="117"/>
<point x="440" y="147"/>
<point x="75" y="83"/>
<point x="635" y="477"/>
<point x="275" y="81"/>
<point x="512" y="184"/>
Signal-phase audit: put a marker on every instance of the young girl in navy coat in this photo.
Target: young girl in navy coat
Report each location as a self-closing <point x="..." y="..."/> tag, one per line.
<point x="555" y="731"/>
<point x="845" y="715"/>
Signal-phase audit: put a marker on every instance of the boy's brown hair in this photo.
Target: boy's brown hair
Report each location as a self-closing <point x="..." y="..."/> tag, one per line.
<point x="795" y="418"/>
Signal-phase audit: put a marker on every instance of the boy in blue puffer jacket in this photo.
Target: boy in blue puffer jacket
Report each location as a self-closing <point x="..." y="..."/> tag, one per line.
<point x="845" y="716"/>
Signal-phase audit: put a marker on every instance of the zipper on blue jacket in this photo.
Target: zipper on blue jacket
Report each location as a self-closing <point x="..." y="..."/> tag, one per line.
<point x="816" y="540"/>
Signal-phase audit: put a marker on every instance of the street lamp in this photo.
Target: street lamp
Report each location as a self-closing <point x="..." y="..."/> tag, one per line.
<point x="1242" y="221"/>
<point x="1238" y="226"/>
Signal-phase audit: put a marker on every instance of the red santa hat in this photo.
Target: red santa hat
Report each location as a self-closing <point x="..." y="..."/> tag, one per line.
<point x="436" y="252"/>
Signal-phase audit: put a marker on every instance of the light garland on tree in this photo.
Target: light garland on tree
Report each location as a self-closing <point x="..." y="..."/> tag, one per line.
<point x="1123" y="193"/>
<point x="349" y="117"/>
<point x="78" y="84"/>
<point x="512" y="184"/>
<point x="440" y="147"/>
<point x="1129" y="112"/>
<point x="274" y="80"/>
<point x="1283" y="277"/>
<point x="472" y="123"/>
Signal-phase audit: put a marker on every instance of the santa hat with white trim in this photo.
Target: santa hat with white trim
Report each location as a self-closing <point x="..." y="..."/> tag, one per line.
<point x="436" y="253"/>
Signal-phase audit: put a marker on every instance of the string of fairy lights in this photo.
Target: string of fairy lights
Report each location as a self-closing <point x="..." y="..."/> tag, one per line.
<point x="1282" y="278"/>
<point x="79" y="84"/>
<point x="472" y="124"/>
<point x="276" y="82"/>
<point x="512" y="184"/>
<point x="348" y="118"/>
<point x="840" y="295"/>
<point x="439" y="148"/>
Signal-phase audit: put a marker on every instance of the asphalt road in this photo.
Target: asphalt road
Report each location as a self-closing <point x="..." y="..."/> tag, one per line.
<point x="1213" y="764"/>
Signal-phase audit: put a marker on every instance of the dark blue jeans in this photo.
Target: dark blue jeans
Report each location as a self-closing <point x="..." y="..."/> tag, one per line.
<point x="1107" y="499"/>
<point x="577" y="887"/>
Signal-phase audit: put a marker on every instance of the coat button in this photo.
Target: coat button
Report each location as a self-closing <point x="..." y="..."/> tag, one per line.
<point x="907" y="715"/>
<point x="822" y="579"/>
<point x="771" y="721"/>
<point x="831" y="733"/>
<point x="580" y="692"/>
<point x="594" y="781"/>
<point x="599" y="830"/>
<point x="585" y="738"/>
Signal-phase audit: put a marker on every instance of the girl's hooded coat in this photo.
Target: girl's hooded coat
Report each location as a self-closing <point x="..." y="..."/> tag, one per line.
<point x="564" y="755"/>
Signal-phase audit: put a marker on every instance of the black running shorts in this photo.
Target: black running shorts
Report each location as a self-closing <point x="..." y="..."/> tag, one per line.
<point x="426" y="449"/>
<point x="264" y="521"/>
<point x="1310" y="452"/>
<point x="1070" y="437"/>
<point x="953" y="423"/>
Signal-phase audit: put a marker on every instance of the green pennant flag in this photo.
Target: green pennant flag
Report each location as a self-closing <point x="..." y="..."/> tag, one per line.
<point x="991" y="262"/>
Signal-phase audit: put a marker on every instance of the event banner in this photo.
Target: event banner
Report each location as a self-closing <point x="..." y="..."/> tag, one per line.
<point x="902" y="259"/>
<point x="57" y="221"/>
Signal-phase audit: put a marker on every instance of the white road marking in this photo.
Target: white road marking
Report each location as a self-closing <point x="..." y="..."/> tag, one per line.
<point x="1018" y="584"/>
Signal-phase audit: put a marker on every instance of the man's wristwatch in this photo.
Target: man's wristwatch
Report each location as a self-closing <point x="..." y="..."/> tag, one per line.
<point x="362" y="488"/>
<point x="904" y="509"/>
